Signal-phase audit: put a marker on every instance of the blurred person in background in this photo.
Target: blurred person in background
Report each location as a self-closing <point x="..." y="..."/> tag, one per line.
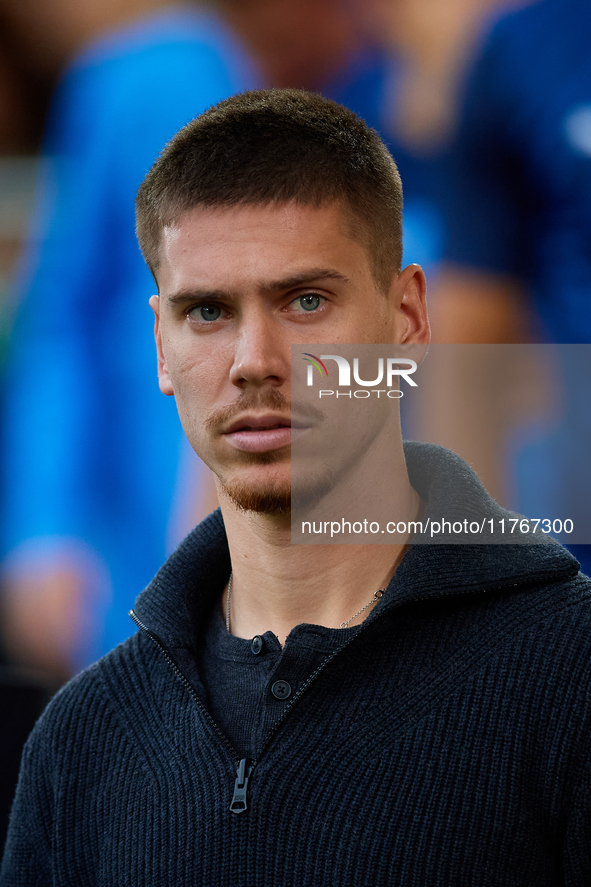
<point x="519" y="214"/>
<point x="425" y="48"/>
<point x="22" y="96"/>
<point x="76" y="484"/>
<point x="518" y="243"/>
<point x="426" y="51"/>
<point x="487" y="114"/>
<point x="430" y="46"/>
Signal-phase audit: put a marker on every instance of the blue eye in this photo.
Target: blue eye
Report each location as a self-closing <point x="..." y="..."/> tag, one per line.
<point x="310" y="302"/>
<point x="206" y="312"/>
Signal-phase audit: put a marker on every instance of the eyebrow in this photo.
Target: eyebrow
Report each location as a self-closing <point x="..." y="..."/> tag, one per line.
<point x="305" y="277"/>
<point x="286" y="283"/>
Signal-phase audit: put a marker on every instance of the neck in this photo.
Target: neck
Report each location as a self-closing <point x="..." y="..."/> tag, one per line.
<point x="278" y="585"/>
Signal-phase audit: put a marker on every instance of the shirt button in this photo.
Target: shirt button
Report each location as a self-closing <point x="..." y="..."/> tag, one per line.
<point x="281" y="690"/>
<point x="256" y="645"/>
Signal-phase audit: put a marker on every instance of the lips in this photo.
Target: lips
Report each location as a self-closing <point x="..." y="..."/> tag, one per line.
<point x="259" y="434"/>
<point x="258" y="423"/>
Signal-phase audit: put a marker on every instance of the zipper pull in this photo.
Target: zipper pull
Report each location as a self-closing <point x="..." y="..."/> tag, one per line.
<point x="243" y="774"/>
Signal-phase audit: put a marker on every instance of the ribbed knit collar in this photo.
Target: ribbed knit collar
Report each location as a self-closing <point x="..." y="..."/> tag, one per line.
<point x="184" y="589"/>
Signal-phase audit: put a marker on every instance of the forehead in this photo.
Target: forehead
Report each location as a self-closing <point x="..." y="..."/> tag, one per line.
<point x="232" y="247"/>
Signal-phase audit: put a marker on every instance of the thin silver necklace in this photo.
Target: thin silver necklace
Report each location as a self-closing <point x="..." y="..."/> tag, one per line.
<point x="376" y="596"/>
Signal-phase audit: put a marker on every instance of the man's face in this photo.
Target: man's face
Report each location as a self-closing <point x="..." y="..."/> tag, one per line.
<point x="239" y="286"/>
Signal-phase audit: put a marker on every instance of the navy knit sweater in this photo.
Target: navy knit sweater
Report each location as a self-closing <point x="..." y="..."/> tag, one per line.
<point x="447" y="742"/>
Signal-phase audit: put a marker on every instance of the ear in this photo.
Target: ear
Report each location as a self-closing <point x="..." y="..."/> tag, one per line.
<point x="164" y="380"/>
<point x="410" y="289"/>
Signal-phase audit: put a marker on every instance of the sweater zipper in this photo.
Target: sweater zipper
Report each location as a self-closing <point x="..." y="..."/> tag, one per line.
<point x="244" y="766"/>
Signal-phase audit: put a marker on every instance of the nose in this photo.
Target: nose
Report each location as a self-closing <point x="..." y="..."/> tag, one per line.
<point x="261" y="354"/>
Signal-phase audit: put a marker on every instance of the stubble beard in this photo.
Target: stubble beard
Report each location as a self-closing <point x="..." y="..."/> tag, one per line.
<point x="274" y="498"/>
<point x="280" y="498"/>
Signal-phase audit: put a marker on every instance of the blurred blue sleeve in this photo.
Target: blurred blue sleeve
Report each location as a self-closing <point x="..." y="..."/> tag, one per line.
<point x="483" y="198"/>
<point x="82" y="348"/>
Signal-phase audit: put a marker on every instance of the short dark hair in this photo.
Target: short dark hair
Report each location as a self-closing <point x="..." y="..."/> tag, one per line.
<point x="278" y="146"/>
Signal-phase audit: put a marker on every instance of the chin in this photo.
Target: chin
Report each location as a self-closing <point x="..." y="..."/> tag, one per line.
<point x="261" y="488"/>
<point x="274" y="499"/>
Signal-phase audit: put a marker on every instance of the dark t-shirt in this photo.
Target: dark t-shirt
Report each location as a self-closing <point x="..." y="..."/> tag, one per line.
<point x="248" y="682"/>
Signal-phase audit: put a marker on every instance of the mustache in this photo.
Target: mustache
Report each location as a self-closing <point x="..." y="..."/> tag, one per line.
<point x="269" y="400"/>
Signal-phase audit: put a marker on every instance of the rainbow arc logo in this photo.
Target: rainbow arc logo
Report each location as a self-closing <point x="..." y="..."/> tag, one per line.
<point x="315" y="361"/>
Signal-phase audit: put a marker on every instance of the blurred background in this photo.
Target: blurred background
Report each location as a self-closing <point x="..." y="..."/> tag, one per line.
<point x="486" y="107"/>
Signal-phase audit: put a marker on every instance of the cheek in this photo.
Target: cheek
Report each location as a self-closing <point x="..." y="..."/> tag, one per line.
<point x="377" y="324"/>
<point x="182" y="356"/>
<point x="197" y="378"/>
<point x="190" y="380"/>
<point x="194" y="400"/>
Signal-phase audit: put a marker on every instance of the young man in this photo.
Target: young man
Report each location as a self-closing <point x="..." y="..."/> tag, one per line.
<point x="391" y="714"/>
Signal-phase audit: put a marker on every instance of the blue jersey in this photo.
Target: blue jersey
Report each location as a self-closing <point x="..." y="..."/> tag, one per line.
<point x="520" y="185"/>
<point x="519" y="203"/>
<point x="92" y="450"/>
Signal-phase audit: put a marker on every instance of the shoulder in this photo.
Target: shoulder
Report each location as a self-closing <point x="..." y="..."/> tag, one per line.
<point x="165" y="47"/>
<point x="93" y="705"/>
<point x="568" y="601"/>
<point x="542" y="630"/>
<point x="80" y="759"/>
<point x="128" y="93"/>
